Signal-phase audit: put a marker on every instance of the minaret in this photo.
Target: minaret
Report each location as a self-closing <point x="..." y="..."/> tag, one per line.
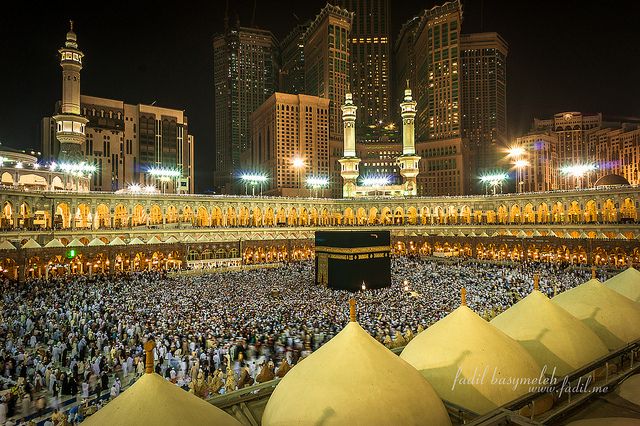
<point x="349" y="161"/>
<point x="408" y="161"/>
<point x="70" y="124"/>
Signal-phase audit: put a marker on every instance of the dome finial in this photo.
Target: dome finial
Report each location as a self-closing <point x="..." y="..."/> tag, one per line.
<point x="148" y="349"/>
<point x="71" y="26"/>
<point x="463" y="296"/>
<point x="536" y="281"/>
<point x="352" y="310"/>
<point x="593" y="272"/>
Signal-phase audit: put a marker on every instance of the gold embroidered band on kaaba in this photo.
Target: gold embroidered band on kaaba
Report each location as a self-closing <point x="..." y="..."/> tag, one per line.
<point x="352" y="250"/>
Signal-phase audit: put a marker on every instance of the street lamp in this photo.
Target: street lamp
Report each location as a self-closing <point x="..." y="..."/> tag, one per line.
<point x="578" y="171"/>
<point x="253" y="180"/>
<point x="520" y="165"/>
<point x="298" y="165"/>
<point x="493" y="181"/>
<point x="164" y="175"/>
<point x="516" y="152"/>
<point x="376" y="182"/>
<point x="318" y="182"/>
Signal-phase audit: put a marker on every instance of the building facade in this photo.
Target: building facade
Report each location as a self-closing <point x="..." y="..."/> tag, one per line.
<point x="124" y="142"/>
<point x="292" y="58"/>
<point x="285" y="128"/>
<point x="428" y="56"/>
<point x="443" y="167"/>
<point x="437" y="39"/>
<point x="616" y="151"/>
<point x="404" y="62"/>
<point x="326" y="61"/>
<point x="245" y="74"/>
<point x="542" y="170"/>
<point x="483" y="88"/>
<point x="113" y="232"/>
<point x="582" y="149"/>
<point x="370" y="59"/>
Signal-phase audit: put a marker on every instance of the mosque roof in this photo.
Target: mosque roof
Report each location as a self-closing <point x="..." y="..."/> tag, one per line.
<point x="96" y="242"/>
<point x="551" y="335"/>
<point x="627" y="283"/>
<point x="613" y="317"/>
<point x="611" y="179"/>
<point x="6" y="245"/>
<point x="54" y="243"/>
<point x="117" y="241"/>
<point x="354" y="379"/>
<point x="463" y="346"/>
<point x="154" y="240"/>
<point x="153" y="400"/>
<point x="31" y="243"/>
<point x="75" y="243"/>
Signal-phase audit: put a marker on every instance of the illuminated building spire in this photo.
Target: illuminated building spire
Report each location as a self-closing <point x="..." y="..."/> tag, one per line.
<point x="70" y="125"/>
<point x="408" y="161"/>
<point x="349" y="161"/>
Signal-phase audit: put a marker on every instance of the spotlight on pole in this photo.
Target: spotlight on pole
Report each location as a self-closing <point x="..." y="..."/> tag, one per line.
<point x="516" y="151"/>
<point x="376" y="181"/>
<point x="253" y="179"/>
<point x="578" y="170"/>
<point x="494" y="181"/>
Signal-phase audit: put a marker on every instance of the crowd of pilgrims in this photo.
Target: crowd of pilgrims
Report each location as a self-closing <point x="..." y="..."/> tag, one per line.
<point x="77" y="335"/>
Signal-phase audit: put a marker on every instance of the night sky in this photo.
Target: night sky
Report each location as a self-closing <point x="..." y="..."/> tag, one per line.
<point x="563" y="56"/>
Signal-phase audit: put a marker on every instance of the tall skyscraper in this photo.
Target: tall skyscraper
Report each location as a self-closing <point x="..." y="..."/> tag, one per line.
<point x="326" y="61"/>
<point x="484" y="98"/>
<point x="404" y="63"/>
<point x="292" y="57"/>
<point x="437" y="43"/>
<point x="290" y="142"/>
<point x="245" y="73"/>
<point x="428" y="56"/>
<point x="370" y="59"/>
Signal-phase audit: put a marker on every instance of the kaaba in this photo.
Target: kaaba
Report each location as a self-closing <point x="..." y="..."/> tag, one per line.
<point x="346" y="260"/>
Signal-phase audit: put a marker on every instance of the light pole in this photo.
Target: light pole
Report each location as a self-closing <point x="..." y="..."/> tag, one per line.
<point x="298" y="165"/>
<point x="520" y="165"/>
<point x="517" y="153"/>
<point x="578" y="171"/>
<point x="493" y="181"/>
<point x="317" y="182"/>
<point x="253" y="180"/>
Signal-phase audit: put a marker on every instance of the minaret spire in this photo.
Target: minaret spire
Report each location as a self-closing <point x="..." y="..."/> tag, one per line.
<point x="349" y="161"/>
<point x="70" y="124"/>
<point x="408" y="160"/>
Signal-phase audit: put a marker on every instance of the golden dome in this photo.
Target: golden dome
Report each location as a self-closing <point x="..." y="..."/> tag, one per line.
<point x="152" y="400"/>
<point x="551" y="335"/>
<point x="354" y="379"/>
<point x="613" y="317"/>
<point x="627" y="283"/>
<point x="469" y="362"/>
